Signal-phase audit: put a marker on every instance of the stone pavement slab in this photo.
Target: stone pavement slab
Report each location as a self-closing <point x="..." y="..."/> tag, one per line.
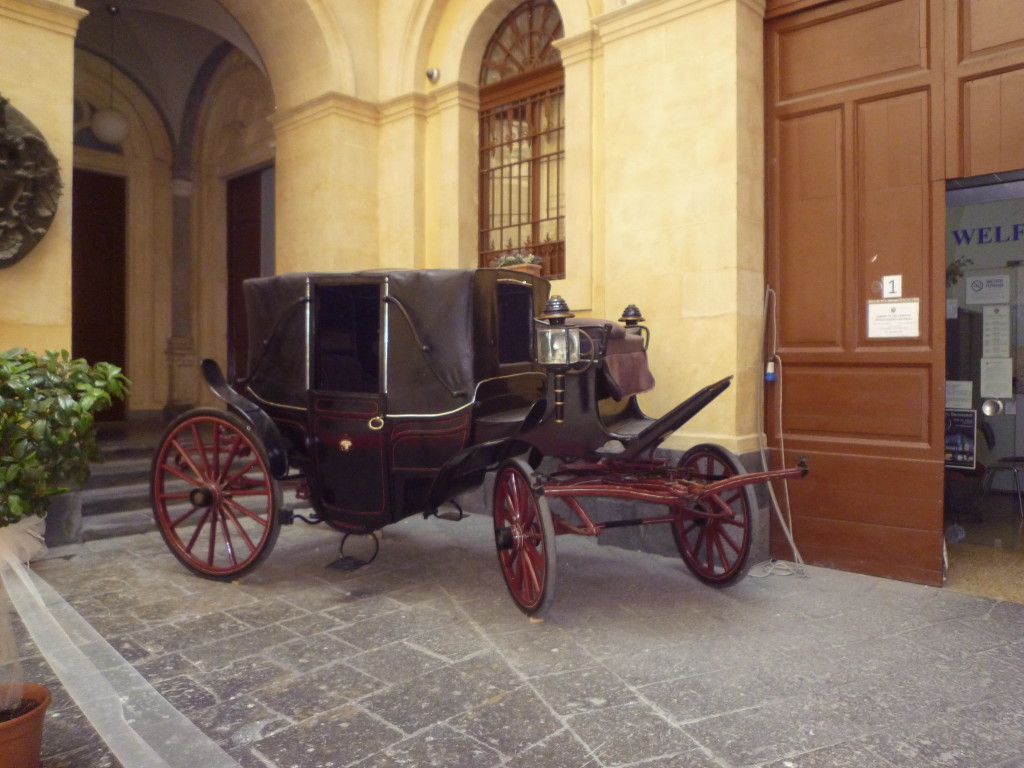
<point x="421" y="658"/>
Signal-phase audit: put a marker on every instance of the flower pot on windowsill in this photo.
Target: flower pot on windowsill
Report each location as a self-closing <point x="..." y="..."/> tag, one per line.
<point x="533" y="269"/>
<point x="21" y="737"/>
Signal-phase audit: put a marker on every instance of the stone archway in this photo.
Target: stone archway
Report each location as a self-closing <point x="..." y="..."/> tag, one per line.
<point x="144" y="161"/>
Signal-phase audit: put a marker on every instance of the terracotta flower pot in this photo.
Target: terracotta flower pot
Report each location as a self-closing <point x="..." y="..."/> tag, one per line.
<point x="21" y="739"/>
<point x="533" y="269"/>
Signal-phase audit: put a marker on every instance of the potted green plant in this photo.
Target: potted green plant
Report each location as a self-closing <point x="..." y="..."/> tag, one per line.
<point x="522" y="261"/>
<point x="47" y="439"/>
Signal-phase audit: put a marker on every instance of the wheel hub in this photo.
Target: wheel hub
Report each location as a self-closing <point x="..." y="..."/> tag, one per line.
<point x="504" y="538"/>
<point x="201" y="497"/>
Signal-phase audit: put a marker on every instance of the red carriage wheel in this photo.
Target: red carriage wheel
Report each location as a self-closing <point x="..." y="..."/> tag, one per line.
<point x="715" y="549"/>
<point x="214" y="499"/>
<point x="525" y="538"/>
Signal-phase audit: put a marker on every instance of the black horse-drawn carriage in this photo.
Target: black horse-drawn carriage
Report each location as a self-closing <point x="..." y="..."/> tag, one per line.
<point x="376" y="395"/>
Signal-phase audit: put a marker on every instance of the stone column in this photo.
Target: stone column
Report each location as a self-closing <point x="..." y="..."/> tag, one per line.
<point x="180" y="351"/>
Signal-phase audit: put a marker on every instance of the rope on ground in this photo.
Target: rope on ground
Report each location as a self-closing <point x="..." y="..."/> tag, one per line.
<point x="777" y="568"/>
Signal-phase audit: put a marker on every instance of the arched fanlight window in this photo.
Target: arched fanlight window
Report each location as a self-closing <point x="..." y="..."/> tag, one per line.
<point x="522" y="139"/>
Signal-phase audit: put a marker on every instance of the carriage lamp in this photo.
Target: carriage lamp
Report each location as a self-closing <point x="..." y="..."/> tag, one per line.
<point x="631" y="316"/>
<point x="557" y="343"/>
<point x="558" y="347"/>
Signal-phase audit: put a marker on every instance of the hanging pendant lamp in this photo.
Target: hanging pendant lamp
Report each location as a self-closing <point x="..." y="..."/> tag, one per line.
<point x="109" y="124"/>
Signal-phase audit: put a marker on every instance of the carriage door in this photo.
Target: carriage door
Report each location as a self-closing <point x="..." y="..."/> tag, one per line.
<point x="347" y="404"/>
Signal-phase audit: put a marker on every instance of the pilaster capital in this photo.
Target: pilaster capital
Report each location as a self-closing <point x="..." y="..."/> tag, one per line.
<point x="410" y="106"/>
<point x="579" y="48"/>
<point x="456" y="95"/>
<point x="641" y="15"/>
<point x="59" y="17"/>
<point x="327" y="105"/>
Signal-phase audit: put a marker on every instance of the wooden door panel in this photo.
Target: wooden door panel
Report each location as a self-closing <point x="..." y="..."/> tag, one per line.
<point x="810" y="274"/>
<point x="854" y="105"/>
<point x="816" y="55"/>
<point x="872" y="405"/>
<point x="990" y="26"/>
<point x="869" y="493"/>
<point x="893" y="225"/>
<point x="912" y="555"/>
<point x="993" y="113"/>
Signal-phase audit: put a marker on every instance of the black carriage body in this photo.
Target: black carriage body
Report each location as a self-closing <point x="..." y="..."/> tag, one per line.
<point x="375" y="380"/>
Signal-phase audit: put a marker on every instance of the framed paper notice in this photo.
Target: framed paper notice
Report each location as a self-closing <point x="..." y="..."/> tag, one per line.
<point x="959" y="394"/>
<point x="996" y="331"/>
<point x="894" y="319"/>
<point x="996" y="377"/>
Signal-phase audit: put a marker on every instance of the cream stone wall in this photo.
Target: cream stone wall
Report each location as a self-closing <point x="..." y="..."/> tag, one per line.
<point x="37" y="76"/>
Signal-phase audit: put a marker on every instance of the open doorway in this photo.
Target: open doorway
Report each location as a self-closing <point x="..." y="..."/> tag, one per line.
<point x="984" y="499"/>
<point x="98" y="248"/>
<point x="250" y="253"/>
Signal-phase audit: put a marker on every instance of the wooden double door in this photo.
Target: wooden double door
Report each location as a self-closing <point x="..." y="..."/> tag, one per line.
<point x="872" y="105"/>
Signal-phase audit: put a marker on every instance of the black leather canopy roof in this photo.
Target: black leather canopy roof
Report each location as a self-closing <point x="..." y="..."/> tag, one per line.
<point x="440" y="333"/>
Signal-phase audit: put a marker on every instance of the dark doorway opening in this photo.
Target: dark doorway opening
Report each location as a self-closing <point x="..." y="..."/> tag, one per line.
<point x="98" y="257"/>
<point x="250" y="254"/>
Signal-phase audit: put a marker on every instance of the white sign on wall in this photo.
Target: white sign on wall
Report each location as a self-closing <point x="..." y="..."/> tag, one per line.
<point x="988" y="289"/>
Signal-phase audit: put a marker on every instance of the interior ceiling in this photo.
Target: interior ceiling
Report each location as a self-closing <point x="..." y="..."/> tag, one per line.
<point x="161" y="45"/>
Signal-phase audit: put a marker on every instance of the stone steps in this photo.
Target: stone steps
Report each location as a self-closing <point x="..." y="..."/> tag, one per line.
<point x="115" y="499"/>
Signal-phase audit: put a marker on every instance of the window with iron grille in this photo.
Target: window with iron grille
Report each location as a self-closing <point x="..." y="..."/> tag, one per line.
<point x="522" y="140"/>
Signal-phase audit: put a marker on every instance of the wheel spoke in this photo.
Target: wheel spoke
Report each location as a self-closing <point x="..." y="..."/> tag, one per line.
<point x="203" y="520"/>
<point x="185" y="516"/>
<point x="240" y="509"/>
<point x="183" y="454"/>
<point x="200" y="444"/>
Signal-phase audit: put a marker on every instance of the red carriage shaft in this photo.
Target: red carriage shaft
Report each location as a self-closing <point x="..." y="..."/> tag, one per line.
<point x="634" y="482"/>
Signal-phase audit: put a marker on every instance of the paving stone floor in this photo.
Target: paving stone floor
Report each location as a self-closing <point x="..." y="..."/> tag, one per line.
<point x="421" y="659"/>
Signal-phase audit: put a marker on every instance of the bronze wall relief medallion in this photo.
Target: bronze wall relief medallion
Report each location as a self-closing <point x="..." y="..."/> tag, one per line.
<point x="30" y="185"/>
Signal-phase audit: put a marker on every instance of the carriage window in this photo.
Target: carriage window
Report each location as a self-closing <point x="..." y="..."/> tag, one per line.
<point x="347" y="334"/>
<point x="515" y="322"/>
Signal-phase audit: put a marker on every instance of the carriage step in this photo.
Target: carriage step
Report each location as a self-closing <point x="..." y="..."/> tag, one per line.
<point x="450" y="510"/>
